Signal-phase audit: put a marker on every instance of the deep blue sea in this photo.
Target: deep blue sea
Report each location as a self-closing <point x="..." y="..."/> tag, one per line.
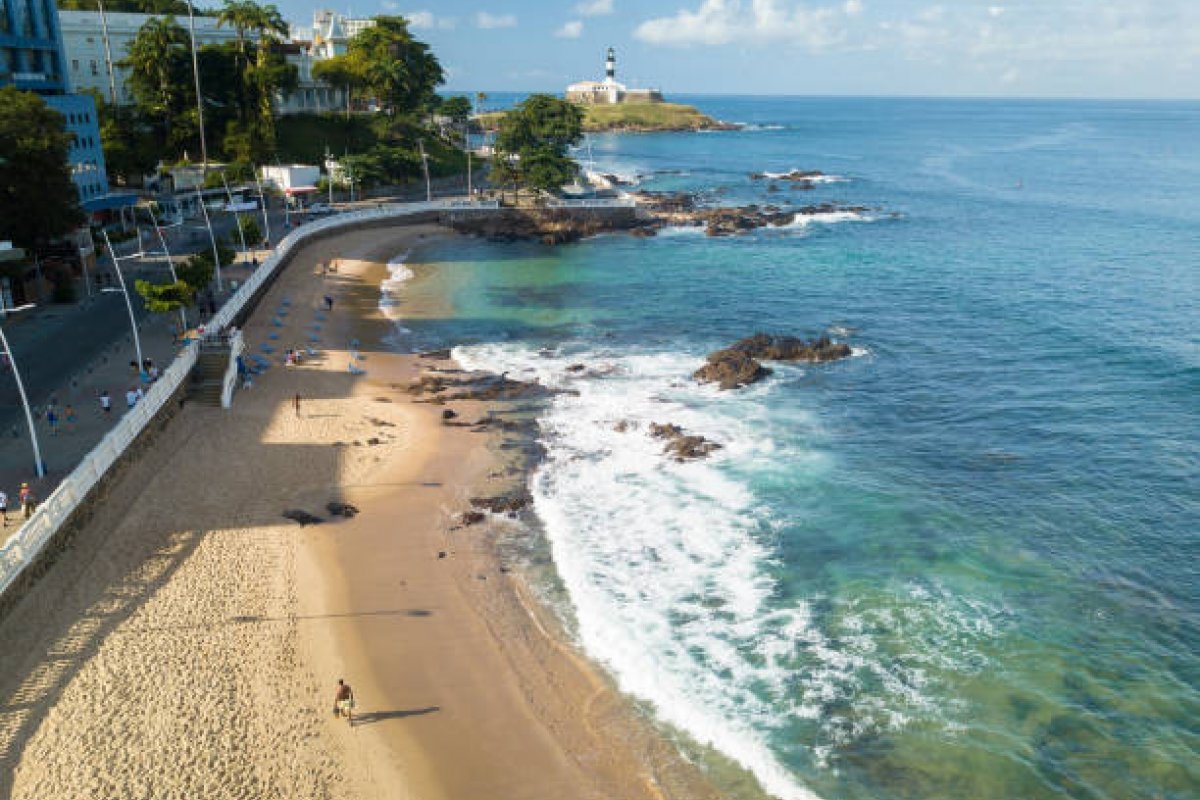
<point x="964" y="563"/>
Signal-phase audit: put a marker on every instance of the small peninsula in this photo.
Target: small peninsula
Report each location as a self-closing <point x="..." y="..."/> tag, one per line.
<point x="649" y="117"/>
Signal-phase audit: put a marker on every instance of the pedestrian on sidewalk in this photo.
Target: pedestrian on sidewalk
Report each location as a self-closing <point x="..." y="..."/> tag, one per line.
<point x="52" y="420"/>
<point x="131" y="397"/>
<point x="28" y="501"/>
<point x="106" y="402"/>
<point x="69" y="415"/>
<point x="4" y="507"/>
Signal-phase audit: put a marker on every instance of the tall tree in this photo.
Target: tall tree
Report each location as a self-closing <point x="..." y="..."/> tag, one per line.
<point x="159" y="65"/>
<point x="340" y="72"/>
<point x="38" y="201"/>
<point x="400" y="71"/>
<point x="532" y="142"/>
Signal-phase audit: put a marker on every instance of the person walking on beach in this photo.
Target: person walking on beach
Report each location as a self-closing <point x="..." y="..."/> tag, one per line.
<point x="4" y="507"/>
<point x="296" y="403"/>
<point x="343" y="701"/>
<point x="328" y="303"/>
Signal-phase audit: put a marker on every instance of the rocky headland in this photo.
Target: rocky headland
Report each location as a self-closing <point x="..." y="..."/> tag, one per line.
<point x="739" y="364"/>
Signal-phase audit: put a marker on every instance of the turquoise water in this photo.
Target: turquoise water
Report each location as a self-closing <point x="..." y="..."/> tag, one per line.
<point x="962" y="563"/>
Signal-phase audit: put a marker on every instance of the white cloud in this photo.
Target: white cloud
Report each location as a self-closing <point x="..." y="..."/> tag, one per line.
<point x="427" y="20"/>
<point x="727" y="21"/>
<point x="485" y="20"/>
<point x="570" y="30"/>
<point x="594" y="8"/>
<point x="995" y="11"/>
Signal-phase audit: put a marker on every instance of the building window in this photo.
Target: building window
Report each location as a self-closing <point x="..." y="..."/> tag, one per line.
<point x="75" y="65"/>
<point x="94" y="71"/>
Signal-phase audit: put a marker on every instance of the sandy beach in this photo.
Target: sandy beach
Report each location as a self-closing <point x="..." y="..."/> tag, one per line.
<point x="189" y="643"/>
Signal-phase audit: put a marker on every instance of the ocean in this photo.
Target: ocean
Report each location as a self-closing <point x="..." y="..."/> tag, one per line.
<point x="962" y="563"/>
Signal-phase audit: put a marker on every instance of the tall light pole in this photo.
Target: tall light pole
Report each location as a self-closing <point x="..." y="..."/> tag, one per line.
<point x="39" y="467"/>
<point x="108" y="62"/>
<point x="199" y="97"/>
<point x="262" y="198"/>
<point x="212" y="238"/>
<point x="425" y="166"/>
<point x="170" y="264"/>
<point x="137" y="340"/>
<point x="236" y="216"/>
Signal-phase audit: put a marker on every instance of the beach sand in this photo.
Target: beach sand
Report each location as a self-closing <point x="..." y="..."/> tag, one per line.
<point x="188" y="644"/>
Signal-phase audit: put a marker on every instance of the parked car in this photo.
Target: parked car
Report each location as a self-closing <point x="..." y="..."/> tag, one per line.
<point x="320" y="208"/>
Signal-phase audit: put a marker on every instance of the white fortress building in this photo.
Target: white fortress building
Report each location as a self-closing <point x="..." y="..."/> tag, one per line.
<point x="608" y="91"/>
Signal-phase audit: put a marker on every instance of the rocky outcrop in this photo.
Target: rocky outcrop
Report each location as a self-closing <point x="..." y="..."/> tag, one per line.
<point x="547" y="225"/>
<point x="682" y="210"/>
<point x="738" y="365"/>
<point x="798" y="175"/>
<point x="681" y="445"/>
<point x="791" y="348"/>
<point x="731" y="369"/>
<point x="444" y="386"/>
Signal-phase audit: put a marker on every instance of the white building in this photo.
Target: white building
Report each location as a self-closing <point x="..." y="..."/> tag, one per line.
<point x="83" y="47"/>
<point x="311" y="95"/>
<point x="288" y="177"/>
<point x="609" y="91"/>
<point x="331" y="33"/>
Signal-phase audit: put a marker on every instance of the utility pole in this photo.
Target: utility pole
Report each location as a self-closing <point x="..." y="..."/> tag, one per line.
<point x="38" y="466"/>
<point x="262" y="198"/>
<point x="425" y="166"/>
<point x="237" y="217"/>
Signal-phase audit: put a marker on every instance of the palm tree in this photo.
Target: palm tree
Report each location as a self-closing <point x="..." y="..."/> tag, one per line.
<point x="153" y="55"/>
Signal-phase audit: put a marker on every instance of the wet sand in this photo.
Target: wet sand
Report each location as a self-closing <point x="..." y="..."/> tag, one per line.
<point x="189" y="643"/>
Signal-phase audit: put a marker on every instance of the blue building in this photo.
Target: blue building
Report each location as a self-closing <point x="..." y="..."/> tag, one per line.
<point x="31" y="58"/>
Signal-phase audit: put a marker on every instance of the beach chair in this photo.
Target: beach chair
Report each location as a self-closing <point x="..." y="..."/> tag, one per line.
<point x="261" y="362"/>
<point x="320" y="316"/>
<point x="266" y="348"/>
<point x="314" y="338"/>
<point x="272" y="335"/>
<point x="277" y="322"/>
<point x="311" y="352"/>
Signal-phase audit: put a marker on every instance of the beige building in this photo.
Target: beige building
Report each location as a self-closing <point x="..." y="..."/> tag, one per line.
<point x="608" y="91"/>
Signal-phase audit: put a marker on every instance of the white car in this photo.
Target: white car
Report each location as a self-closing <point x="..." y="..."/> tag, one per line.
<point x="320" y="208"/>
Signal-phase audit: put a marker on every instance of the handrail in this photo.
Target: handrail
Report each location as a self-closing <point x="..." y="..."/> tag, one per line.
<point x="237" y="344"/>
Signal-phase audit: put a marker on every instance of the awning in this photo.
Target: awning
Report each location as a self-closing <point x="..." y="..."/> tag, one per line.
<point x="110" y="201"/>
<point x="300" y="190"/>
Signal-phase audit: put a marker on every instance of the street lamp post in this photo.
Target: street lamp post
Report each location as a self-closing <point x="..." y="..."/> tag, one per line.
<point x="212" y="238"/>
<point x="37" y="450"/>
<point x="236" y="216"/>
<point x="170" y="264"/>
<point x="137" y="341"/>
<point x="199" y="97"/>
<point x="262" y="198"/>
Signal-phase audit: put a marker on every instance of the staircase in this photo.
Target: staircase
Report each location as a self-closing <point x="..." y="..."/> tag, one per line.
<point x="208" y="376"/>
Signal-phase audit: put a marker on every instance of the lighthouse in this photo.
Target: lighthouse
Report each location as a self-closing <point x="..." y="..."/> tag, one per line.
<point x="610" y="67"/>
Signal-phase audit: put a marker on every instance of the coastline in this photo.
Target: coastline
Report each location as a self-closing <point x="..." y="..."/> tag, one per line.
<point x="191" y="640"/>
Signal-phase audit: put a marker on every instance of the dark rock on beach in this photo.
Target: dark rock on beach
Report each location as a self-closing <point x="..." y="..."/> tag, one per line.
<point x="341" y="509"/>
<point x="301" y="516"/>
<point x="502" y="505"/>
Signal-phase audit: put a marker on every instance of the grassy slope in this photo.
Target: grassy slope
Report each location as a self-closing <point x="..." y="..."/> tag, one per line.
<point x="630" y="116"/>
<point x="646" y="116"/>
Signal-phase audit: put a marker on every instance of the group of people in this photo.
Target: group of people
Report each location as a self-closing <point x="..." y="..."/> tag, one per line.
<point x="25" y="498"/>
<point x="54" y="417"/>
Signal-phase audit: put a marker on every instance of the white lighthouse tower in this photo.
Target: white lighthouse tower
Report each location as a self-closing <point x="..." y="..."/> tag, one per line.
<point x="610" y="67"/>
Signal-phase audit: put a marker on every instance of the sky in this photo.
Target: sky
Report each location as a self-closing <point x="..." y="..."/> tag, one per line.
<point x="1006" y="48"/>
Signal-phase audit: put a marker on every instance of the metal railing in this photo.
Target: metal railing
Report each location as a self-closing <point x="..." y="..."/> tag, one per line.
<point x="620" y="202"/>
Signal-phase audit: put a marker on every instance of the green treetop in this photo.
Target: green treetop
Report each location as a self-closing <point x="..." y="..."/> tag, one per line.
<point x="38" y="201"/>
<point x="532" y="142"/>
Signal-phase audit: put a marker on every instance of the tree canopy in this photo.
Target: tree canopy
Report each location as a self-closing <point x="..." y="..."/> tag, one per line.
<point x="532" y="142"/>
<point x="384" y="61"/>
<point x="38" y="201"/>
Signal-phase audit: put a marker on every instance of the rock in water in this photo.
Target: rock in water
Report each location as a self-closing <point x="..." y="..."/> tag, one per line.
<point x="731" y="369"/>
<point x="683" y="446"/>
<point x="790" y="348"/>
